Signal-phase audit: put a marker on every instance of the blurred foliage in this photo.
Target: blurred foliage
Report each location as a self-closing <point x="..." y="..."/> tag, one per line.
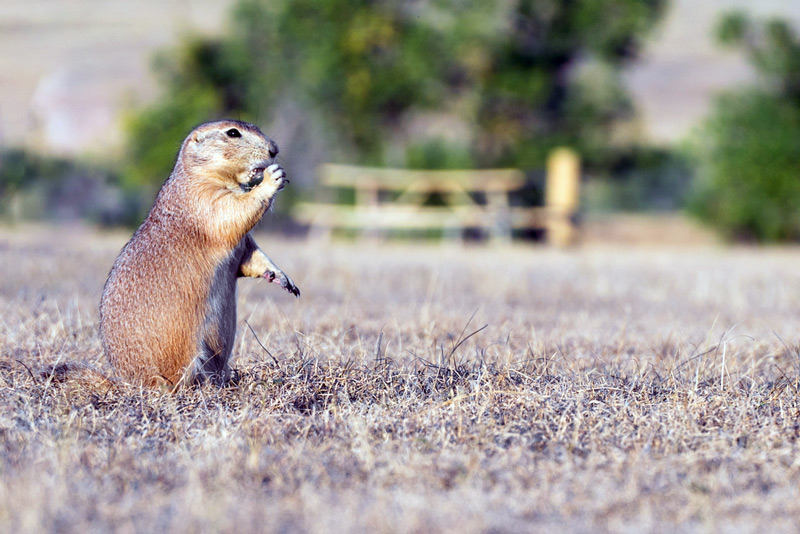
<point x="524" y="76"/>
<point x="748" y="150"/>
<point x="37" y="186"/>
<point x="20" y="169"/>
<point x="772" y="47"/>
<point x="552" y="77"/>
<point x="641" y="179"/>
<point x="437" y="154"/>
<point x="749" y="174"/>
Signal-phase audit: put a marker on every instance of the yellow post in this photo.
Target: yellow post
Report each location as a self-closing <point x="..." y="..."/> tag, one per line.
<point x="562" y="196"/>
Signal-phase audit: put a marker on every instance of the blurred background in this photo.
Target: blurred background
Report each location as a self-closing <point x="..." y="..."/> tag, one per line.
<point x="683" y="113"/>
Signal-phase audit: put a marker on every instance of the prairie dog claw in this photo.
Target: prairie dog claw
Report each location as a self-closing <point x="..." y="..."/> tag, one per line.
<point x="284" y="281"/>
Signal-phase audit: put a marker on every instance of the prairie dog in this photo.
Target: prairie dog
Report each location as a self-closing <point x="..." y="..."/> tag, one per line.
<point x="168" y="310"/>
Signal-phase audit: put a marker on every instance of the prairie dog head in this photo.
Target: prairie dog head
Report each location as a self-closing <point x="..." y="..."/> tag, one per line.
<point x="224" y="180"/>
<point x="234" y="156"/>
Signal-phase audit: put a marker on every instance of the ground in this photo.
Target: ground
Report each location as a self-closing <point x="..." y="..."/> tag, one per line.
<point x="418" y="388"/>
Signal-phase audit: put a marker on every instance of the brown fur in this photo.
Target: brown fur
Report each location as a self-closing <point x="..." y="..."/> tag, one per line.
<point x="168" y="306"/>
<point x="80" y="373"/>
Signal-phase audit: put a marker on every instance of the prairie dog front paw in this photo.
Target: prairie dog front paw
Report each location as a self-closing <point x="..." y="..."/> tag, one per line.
<point x="279" y="277"/>
<point x="277" y="175"/>
<point x="258" y="265"/>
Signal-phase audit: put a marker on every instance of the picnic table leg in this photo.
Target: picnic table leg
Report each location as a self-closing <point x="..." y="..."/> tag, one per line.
<point x="453" y="232"/>
<point x="500" y="226"/>
<point x="562" y="196"/>
<point x="367" y="197"/>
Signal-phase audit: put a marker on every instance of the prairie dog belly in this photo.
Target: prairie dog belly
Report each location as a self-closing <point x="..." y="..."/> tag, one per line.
<point x="217" y="334"/>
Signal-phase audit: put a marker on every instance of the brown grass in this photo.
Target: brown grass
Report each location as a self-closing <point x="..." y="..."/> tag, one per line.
<point x="647" y="389"/>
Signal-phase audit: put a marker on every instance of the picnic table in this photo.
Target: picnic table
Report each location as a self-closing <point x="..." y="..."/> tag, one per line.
<point x="453" y="201"/>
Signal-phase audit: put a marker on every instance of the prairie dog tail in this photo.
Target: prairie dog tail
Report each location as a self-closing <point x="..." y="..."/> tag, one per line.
<point x="80" y="373"/>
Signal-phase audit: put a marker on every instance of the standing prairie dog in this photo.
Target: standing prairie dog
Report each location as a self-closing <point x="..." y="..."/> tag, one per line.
<point x="168" y="310"/>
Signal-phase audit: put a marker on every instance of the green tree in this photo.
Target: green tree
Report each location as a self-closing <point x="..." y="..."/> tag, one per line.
<point x="748" y="150"/>
<point x="524" y="76"/>
<point x="553" y="77"/>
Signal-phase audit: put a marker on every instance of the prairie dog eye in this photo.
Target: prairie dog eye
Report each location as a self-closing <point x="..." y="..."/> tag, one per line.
<point x="233" y="132"/>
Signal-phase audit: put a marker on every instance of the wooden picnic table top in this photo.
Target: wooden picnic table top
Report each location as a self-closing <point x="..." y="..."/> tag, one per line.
<point x="490" y="180"/>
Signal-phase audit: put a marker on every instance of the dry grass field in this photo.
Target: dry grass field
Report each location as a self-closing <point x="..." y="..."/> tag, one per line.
<point x="419" y="388"/>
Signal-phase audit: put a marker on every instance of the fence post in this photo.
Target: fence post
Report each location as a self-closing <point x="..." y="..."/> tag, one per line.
<point x="562" y="195"/>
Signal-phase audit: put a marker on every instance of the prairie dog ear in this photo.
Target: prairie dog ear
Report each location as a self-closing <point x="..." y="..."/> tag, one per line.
<point x="199" y="136"/>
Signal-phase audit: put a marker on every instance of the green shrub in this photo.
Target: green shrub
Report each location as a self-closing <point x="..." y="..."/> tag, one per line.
<point x="748" y="150"/>
<point x="37" y="186"/>
<point x="749" y="176"/>
<point x="640" y="179"/>
<point x="438" y="154"/>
